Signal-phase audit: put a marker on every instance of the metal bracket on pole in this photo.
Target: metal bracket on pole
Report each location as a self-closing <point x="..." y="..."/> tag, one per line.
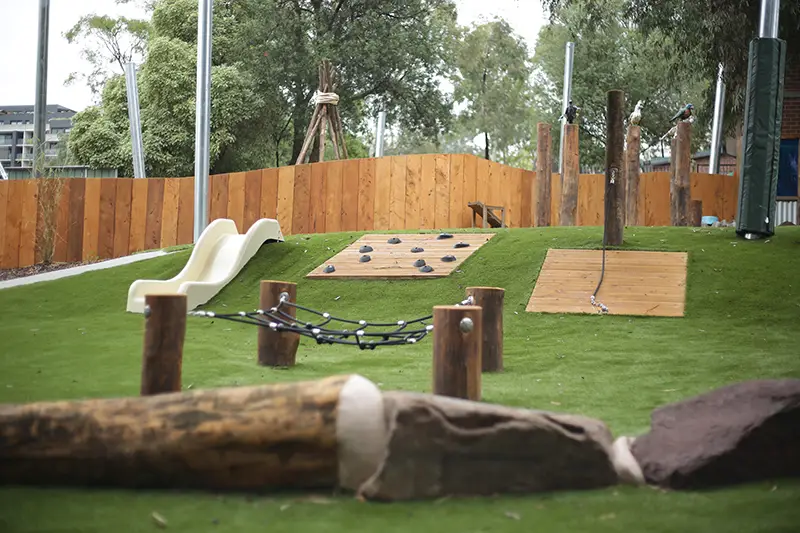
<point x="137" y="147"/>
<point x="202" y="117"/>
<point x="567" y="96"/>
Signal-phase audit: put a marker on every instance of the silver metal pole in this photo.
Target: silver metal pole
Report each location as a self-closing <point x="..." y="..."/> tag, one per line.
<point x="40" y="103"/>
<point x="135" y="120"/>
<point x="567" y="96"/>
<point x="768" y="25"/>
<point x="379" y="133"/>
<point x="716" y="126"/>
<point x="202" y="116"/>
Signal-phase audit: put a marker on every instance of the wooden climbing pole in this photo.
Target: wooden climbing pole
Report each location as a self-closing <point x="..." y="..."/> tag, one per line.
<point x="326" y="113"/>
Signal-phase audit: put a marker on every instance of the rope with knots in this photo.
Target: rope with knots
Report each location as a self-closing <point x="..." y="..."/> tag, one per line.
<point x="324" y="98"/>
<point x="278" y="319"/>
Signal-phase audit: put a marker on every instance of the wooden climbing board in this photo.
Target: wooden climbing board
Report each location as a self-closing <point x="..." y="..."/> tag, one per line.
<point x="635" y="283"/>
<point x="396" y="261"/>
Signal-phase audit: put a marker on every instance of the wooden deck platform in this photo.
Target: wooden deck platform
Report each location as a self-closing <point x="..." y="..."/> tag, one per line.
<point x="635" y="283"/>
<point x="396" y="261"/>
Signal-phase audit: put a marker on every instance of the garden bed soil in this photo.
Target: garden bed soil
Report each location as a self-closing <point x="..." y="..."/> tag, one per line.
<point x="41" y="268"/>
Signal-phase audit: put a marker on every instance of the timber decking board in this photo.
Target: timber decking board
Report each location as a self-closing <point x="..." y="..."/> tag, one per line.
<point x="395" y="261"/>
<point x="635" y="283"/>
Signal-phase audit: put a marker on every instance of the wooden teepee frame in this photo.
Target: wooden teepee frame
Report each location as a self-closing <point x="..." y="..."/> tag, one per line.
<point x="326" y="112"/>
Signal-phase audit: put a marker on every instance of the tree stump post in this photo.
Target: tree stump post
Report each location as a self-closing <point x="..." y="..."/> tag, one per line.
<point x="543" y="174"/>
<point x="490" y="300"/>
<point x="568" y="215"/>
<point x="615" y="186"/>
<point x="632" y="168"/>
<point x="458" y="340"/>
<point x="277" y="348"/>
<point x="695" y="213"/>
<point x="680" y="174"/>
<point x="164" y="333"/>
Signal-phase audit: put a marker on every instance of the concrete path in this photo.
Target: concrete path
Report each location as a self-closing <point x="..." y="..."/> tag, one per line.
<point x="74" y="271"/>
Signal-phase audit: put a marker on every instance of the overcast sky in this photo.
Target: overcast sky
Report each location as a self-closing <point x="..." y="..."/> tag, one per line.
<point x="20" y="22"/>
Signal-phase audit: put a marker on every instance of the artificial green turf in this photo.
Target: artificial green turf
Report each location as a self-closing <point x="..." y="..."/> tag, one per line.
<point x="71" y="338"/>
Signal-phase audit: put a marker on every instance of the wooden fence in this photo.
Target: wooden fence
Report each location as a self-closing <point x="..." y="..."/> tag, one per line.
<point x="99" y="218"/>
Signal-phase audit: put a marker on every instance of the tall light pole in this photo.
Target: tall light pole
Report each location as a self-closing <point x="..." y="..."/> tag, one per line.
<point x="716" y="126"/>
<point x="569" y="58"/>
<point x="202" y="116"/>
<point x="135" y="120"/>
<point x="40" y="103"/>
<point x="379" y="133"/>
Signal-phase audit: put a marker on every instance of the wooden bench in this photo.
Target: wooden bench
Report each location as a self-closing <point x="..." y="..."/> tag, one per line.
<point x="488" y="215"/>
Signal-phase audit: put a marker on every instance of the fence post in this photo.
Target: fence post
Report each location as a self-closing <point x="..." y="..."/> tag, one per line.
<point x="569" y="178"/>
<point x="164" y="333"/>
<point x="633" y="146"/>
<point x="680" y="174"/>
<point x="543" y="174"/>
<point x="490" y="300"/>
<point x="457" y="344"/>
<point x="277" y="348"/>
<point x="615" y="187"/>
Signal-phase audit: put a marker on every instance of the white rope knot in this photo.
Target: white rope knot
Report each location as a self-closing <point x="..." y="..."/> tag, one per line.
<point x="324" y="98"/>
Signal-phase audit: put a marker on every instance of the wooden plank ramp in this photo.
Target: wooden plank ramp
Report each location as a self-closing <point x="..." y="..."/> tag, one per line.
<point x="635" y="283"/>
<point x="396" y="261"/>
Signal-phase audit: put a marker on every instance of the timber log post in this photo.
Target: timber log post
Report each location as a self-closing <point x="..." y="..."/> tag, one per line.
<point x="680" y="184"/>
<point x="569" y="178"/>
<point x="632" y="175"/>
<point x="543" y="175"/>
<point x="303" y="435"/>
<point x="615" y="185"/>
<point x="164" y="334"/>
<point x="277" y="348"/>
<point x="490" y="300"/>
<point x="458" y="340"/>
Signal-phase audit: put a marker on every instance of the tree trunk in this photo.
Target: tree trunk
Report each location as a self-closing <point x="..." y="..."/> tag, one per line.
<point x="615" y="186"/>
<point x="486" y="147"/>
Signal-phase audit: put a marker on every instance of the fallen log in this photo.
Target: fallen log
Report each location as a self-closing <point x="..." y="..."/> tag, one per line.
<point x="313" y="434"/>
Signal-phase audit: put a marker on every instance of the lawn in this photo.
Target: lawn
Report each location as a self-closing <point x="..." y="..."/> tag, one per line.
<point x="71" y="339"/>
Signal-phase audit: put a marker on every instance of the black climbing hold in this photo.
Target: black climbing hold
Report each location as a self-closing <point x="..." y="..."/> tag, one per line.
<point x="461" y="245"/>
<point x="394" y="240"/>
<point x="417" y="249"/>
<point x="419" y="263"/>
<point x="449" y="258"/>
<point x="329" y="269"/>
<point x="444" y="236"/>
<point x="364" y="259"/>
<point x="365" y="249"/>
<point x="426" y="268"/>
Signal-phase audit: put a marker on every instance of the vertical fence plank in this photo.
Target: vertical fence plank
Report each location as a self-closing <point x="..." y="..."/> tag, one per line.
<point x="252" y="198"/>
<point x="457" y="205"/>
<point x="468" y="194"/>
<point x="155" y="202"/>
<point x="91" y="219"/>
<point x="383" y="185"/>
<point x="657" y="196"/>
<point x="186" y="211"/>
<point x="442" y="204"/>
<point x="27" y="228"/>
<point x="62" y="223"/>
<point x="77" y="195"/>
<point x="350" y="195"/>
<point x="10" y="252"/>
<point x="218" y="197"/>
<point x="319" y="187"/>
<point x="397" y="193"/>
<point x="427" y="193"/>
<point x="139" y="192"/>
<point x="482" y="181"/>
<point x="413" y="184"/>
<point x="515" y="202"/>
<point x="236" y="199"/>
<point x="108" y="201"/>
<point x="730" y="186"/>
<point x="301" y="203"/>
<point x="269" y="193"/>
<point x="122" y="216"/>
<point x="591" y="195"/>
<point x="526" y="206"/>
<point x="366" y="194"/>
<point x="285" y="198"/>
<point x="169" y="212"/>
<point x="3" y="225"/>
<point x="333" y="197"/>
<point x="495" y="192"/>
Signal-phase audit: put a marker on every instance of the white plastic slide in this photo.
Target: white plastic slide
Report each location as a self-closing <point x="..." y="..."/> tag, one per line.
<point x="218" y="256"/>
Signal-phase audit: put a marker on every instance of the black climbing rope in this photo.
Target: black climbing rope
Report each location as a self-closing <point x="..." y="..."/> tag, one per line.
<point x="601" y="308"/>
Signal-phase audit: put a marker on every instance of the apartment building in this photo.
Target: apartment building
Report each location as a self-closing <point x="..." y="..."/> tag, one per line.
<point x="16" y="133"/>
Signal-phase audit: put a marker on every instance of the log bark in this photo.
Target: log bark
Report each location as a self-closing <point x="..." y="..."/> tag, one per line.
<point x="680" y="169"/>
<point x="615" y="186"/>
<point x="632" y="168"/>
<point x="164" y="333"/>
<point x="457" y="351"/>
<point x="279" y="436"/>
<point x="543" y="174"/>
<point x="695" y="213"/>
<point x="569" y="180"/>
<point x="277" y="348"/>
<point x="490" y="300"/>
